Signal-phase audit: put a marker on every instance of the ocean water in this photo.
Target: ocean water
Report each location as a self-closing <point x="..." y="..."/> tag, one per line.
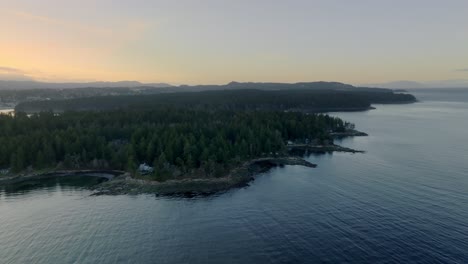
<point x="403" y="201"/>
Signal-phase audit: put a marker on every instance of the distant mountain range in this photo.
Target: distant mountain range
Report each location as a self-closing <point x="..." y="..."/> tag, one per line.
<point x="164" y="87"/>
<point x="415" y="85"/>
<point x="27" y="85"/>
<point x="268" y="86"/>
<point x="31" y="85"/>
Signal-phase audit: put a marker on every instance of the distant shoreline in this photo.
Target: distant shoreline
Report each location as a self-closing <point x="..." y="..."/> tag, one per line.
<point x="303" y="110"/>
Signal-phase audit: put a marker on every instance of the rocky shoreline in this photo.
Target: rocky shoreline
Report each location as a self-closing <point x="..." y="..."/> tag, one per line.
<point x="108" y="174"/>
<point x="121" y="182"/>
<point x="322" y="148"/>
<point x="239" y="177"/>
<point x="348" y="133"/>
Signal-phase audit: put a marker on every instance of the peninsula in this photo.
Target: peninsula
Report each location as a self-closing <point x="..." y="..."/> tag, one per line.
<point x="177" y="142"/>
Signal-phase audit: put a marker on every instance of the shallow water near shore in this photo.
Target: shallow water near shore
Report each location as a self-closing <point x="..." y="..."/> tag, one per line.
<point x="50" y="184"/>
<point x="404" y="200"/>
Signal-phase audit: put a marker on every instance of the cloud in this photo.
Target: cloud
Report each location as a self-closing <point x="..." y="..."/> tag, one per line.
<point x="13" y="74"/>
<point x="462" y="70"/>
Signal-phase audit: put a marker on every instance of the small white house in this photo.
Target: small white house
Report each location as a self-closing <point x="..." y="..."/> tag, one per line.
<point x="145" y="168"/>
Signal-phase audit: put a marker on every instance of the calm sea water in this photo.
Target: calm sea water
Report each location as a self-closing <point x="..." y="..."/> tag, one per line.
<point x="404" y="201"/>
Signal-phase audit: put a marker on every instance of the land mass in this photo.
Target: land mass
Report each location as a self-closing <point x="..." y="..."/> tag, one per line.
<point x="310" y="96"/>
<point x="236" y="100"/>
<point x="121" y="182"/>
<point x="164" y="145"/>
<point x="182" y="141"/>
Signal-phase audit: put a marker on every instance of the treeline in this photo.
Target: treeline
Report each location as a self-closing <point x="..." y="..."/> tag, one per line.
<point x="280" y="100"/>
<point x="175" y="141"/>
<point x="15" y="92"/>
<point x="14" y="96"/>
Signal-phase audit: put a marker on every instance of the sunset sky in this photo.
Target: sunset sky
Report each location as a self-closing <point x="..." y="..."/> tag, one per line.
<point x="214" y="41"/>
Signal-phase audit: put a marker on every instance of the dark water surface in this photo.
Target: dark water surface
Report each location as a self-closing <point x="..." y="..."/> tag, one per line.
<point x="405" y="200"/>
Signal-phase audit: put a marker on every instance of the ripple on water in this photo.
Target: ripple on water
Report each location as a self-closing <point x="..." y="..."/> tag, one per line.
<point x="405" y="200"/>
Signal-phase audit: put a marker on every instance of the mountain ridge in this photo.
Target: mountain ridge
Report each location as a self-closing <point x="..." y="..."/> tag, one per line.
<point x="29" y="85"/>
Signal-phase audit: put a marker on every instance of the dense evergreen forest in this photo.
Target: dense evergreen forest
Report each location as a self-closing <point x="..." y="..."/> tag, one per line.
<point x="314" y="100"/>
<point x="202" y="133"/>
<point x="178" y="142"/>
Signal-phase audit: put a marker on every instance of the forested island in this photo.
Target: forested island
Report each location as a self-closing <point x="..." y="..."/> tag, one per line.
<point x="239" y="100"/>
<point x="179" y="142"/>
<point x="342" y="95"/>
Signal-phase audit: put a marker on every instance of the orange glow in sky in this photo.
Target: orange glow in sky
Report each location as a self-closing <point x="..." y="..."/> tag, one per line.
<point x="220" y="41"/>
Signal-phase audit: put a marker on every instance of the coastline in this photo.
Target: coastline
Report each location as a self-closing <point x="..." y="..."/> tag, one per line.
<point x="348" y="133"/>
<point x="121" y="182"/>
<point x="322" y="148"/>
<point x="238" y="177"/>
<point x="31" y="111"/>
<point x="107" y="174"/>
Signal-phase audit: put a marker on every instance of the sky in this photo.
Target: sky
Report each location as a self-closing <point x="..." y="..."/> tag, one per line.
<point x="217" y="41"/>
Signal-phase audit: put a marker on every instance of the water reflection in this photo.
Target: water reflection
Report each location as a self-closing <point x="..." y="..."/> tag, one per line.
<point x="403" y="201"/>
<point x="50" y="184"/>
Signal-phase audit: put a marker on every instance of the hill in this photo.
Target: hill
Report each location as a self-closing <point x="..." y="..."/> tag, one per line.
<point x="306" y="99"/>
